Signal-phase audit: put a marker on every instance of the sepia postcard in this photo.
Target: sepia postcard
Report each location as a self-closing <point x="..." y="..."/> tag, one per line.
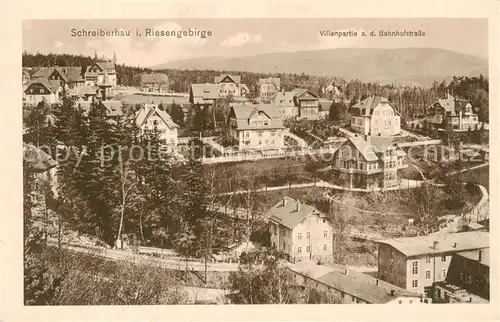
<point x="240" y="164"/>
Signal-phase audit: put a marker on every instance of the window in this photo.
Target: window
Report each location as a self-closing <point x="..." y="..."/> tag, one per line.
<point x="324" y="220"/>
<point x="299" y="250"/>
<point x="260" y="134"/>
<point x="411" y="301"/>
<point x="308" y="235"/>
<point x="443" y="258"/>
<point x="42" y="90"/>
<point x="266" y="123"/>
<point x="299" y="236"/>
<point x="400" y="301"/>
<point x="415" y="267"/>
<point x="325" y="233"/>
<point x="443" y="273"/>
<point x="325" y="247"/>
<point x="427" y="259"/>
<point x="272" y="141"/>
<point x="414" y="283"/>
<point x="260" y="142"/>
<point x="428" y="274"/>
<point x="308" y="249"/>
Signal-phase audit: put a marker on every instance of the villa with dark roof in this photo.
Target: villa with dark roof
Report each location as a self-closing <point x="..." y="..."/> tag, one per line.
<point x="203" y="95"/>
<point x="41" y="89"/>
<point x="453" y="112"/>
<point x="375" y="116"/>
<point x="94" y="73"/>
<point x="231" y="86"/>
<point x="367" y="163"/>
<point x="256" y="126"/>
<point x="154" y="82"/>
<point x="300" y="231"/>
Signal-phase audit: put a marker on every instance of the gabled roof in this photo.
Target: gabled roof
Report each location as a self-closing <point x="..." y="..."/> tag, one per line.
<point x="113" y="108"/>
<point x="367" y="105"/>
<point x="105" y="80"/>
<point x="367" y="150"/>
<point x="82" y="91"/>
<point x="149" y="109"/>
<point x="474" y="256"/>
<point x="154" y="78"/>
<point x="234" y="78"/>
<point x="290" y="212"/>
<point x="50" y="85"/>
<point x="69" y="74"/>
<point x="243" y="112"/>
<point x="422" y="245"/>
<point x="284" y="99"/>
<point x="298" y="92"/>
<point x="205" y="91"/>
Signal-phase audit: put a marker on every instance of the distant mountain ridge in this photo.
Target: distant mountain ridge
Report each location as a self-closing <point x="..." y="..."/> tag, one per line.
<point x="410" y="66"/>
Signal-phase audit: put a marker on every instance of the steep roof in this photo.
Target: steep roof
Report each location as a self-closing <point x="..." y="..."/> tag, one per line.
<point x="234" y="78"/>
<point x="290" y="212"/>
<point x="69" y="74"/>
<point x="113" y="108"/>
<point x="367" y="105"/>
<point x="205" y="91"/>
<point x="82" y="91"/>
<point x="284" y="99"/>
<point x="423" y="245"/>
<point x="106" y="65"/>
<point x="452" y="104"/>
<point x="154" y="78"/>
<point x="150" y="109"/>
<point x="243" y="112"/>
<point x="51" y="85"/>
<point x="366" y="149"/>
<point x="298" y="92"/>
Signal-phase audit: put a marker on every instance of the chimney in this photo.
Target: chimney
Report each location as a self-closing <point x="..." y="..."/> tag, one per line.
<point x="435" y="245"/>
<point x="480" y="256"/>
<point x="284" y="202"/>
<point x="454" y="245"/>
<point x="376" y="282"/>
<point x="393" y="292"/>
<point x="346" y="272"/>
<point x="298" y="205"/>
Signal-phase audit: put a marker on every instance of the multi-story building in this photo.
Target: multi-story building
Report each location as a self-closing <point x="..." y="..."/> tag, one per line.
<point x="231" y="86"/>
<point x="370" y="162"/>
<point x="307" y="104"/>
<point x="94" y="74"/>
<point x="286" y="105"/>
<point x="42" y="89"/>
<point x="300" y="231"/>
<point x="416" y="263"/>
<point x="68" y="77"/>
<point x="375" y="116"/>
<point x="150" y="117"/>
<point x="468" y="279"/>
<point x="456" y="113"/>
<point x="350" y="287"/>
<point x="156" y="82"/>
<point x="256" y="126"/>
<point x="268" y="88"/>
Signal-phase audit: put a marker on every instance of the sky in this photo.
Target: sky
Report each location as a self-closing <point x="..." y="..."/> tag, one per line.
<point x="247" y="37"/>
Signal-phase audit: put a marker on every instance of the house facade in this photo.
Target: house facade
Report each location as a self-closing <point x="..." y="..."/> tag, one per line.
<point x="203" y="95"/>
<point x="375" y="116"/>
<point x="154" y="83"/>
<point x="256" y="127"/>
<point x="468" y="279"/>
<point x="286" y="105"/>
<point x="41" y="89"/>
<point x="150" y="117"/>
<point x="268" y="88"/>
<point x="307" y="104"/>
<point x="416" y="263"/>
<point x="456" y="113"/>
<point x="231" y="86"/>
<point x="68" y="77"/>
<point x="94" y="74"/>
<point x="300" y="231"/>
<point x="368" y="163"/>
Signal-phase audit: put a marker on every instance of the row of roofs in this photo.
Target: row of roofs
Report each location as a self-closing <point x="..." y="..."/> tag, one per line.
<point x="361" y="286"/>
<point x="439" y="244"/>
